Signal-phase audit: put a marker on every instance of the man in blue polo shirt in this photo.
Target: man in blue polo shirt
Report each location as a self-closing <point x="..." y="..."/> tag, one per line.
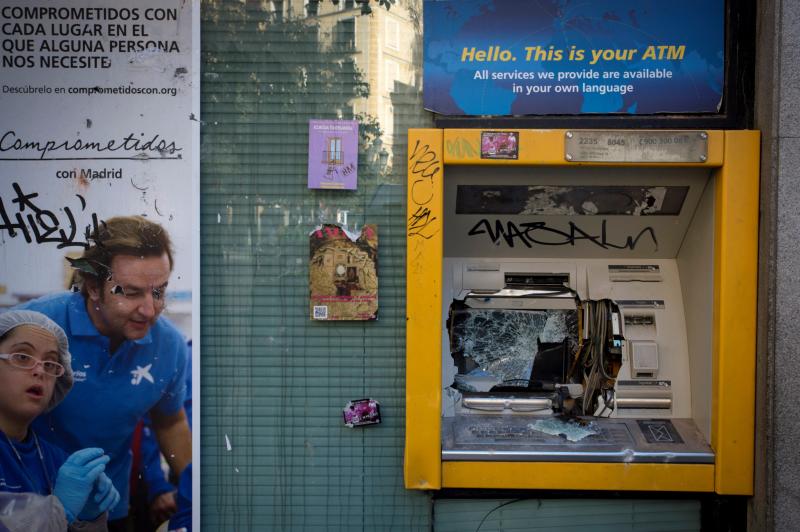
<point x="127" y="360"/>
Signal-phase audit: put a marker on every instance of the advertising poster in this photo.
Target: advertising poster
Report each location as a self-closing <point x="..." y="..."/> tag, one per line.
<point x="343" y="273"/>
<point x="99" y="135"/>
<point x="505" y="57"/>
<point x="333" y="154"/>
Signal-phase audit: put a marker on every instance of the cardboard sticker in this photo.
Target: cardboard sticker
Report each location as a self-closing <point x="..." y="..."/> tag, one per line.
<point x="361" y="412"/>
<point x="499" y="145"/>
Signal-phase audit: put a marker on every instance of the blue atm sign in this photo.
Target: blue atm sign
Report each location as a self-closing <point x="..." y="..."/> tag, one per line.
<point x="500" y="57"/>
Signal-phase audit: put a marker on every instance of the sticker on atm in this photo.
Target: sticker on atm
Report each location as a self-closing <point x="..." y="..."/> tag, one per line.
<point x="499" y="144"/>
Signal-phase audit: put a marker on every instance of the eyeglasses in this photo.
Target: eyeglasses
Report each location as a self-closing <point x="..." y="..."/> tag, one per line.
<point x="23" y="361"/>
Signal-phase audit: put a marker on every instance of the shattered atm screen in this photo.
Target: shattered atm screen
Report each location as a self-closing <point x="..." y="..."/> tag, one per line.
<point x="511" y="348"/>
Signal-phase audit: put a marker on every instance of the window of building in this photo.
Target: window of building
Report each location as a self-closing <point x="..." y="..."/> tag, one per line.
<point x="333" y="155"/>
<point x="392" y="33"/>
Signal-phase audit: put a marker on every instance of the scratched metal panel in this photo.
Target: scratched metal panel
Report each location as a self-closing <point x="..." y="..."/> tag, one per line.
<point x="559" y="515"/>
<point x="275" y="453"/>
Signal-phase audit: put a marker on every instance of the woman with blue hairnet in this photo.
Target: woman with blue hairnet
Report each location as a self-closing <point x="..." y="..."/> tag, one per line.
<point x="41" y="488"/>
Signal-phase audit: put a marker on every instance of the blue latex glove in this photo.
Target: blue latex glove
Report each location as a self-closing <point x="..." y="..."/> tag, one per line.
<point x="76" y="479"/>
<point x="103" y="498"/>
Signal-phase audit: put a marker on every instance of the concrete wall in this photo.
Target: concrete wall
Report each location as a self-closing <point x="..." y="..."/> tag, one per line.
<point x="776" y="505"/>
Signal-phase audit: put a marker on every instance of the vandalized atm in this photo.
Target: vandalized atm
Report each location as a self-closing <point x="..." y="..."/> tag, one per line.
<point x="581" y="309"/>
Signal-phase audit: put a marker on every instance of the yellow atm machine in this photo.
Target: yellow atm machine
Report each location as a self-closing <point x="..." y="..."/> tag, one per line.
<point x="581" y="309"/>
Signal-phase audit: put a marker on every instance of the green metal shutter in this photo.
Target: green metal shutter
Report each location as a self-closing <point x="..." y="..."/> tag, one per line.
<point x="566" y="515"/>
<point x="273" y="382"/>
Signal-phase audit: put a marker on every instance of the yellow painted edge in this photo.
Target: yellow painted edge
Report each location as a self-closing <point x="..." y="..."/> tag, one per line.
<point x="734" y="334"/>
<point x="735" y="278"/>
<point x="546" y="147"/>
<point x="422" y="468"/>
<point x="579" y="476"/>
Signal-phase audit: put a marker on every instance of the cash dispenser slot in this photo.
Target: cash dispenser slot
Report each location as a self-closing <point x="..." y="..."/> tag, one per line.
<point x="655" y="395"/>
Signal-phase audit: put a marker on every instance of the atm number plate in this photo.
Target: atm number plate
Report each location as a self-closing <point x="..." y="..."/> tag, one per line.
<point x="636" y="146"/>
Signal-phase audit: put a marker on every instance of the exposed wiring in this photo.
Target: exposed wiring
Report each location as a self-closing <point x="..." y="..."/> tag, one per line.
<point x="597" y="373"/>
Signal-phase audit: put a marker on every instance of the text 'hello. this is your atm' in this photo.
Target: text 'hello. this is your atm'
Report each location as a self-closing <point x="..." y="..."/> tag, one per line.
<point x="581" y="309"/>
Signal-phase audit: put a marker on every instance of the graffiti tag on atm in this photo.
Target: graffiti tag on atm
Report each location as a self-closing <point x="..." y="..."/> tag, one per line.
<point x="461" y="148"/>
<point x="424" y="164"/>
<point x="539" y="233"/>
<point x="419" y="223"/>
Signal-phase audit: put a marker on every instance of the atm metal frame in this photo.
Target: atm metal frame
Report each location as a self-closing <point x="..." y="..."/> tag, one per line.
<point x="734" y="158"/>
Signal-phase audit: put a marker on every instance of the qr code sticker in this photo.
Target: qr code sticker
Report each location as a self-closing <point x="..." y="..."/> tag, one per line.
<point x="320" y="312"/>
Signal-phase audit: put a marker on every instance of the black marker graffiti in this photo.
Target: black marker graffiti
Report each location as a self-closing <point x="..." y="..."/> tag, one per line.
<point x="530" y="233"/>
<point x="419" y="222"/>
<point x="424" y="168"/>
<point x="425" y="164"/>
<point x="41" y="225"/>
